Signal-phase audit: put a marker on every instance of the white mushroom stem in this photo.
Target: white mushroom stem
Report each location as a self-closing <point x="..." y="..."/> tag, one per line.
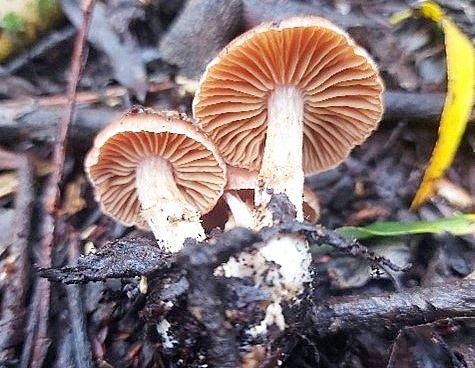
<point x="241" y="214"/>
<point x="281" y="172"/>
<point x="281" y="266"/>
<point x="281" y="169"/>
<point x="170" y="217"/>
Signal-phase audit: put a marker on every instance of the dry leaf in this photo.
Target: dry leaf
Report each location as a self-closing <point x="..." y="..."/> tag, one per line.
<point x="8" y="184"/>
<point x="459" y="100"/>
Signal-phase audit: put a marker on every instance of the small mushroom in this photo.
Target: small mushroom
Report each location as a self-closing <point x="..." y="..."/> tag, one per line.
<point x="156" y="168"/>
<point x="236" y="206"/>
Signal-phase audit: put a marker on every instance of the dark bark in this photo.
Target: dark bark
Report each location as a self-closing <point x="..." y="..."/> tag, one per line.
<point x="81" y="344"/>
<point x="127" y="257"/>
<point x="394" y="310"/>
<point x="14" y="297"/>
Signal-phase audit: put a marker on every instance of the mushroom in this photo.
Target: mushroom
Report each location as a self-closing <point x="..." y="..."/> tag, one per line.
<point x="284" y="99"/>
<point x="289" y="97"/>
<point x="236" y="206"/>
<point x="156" y="168"/>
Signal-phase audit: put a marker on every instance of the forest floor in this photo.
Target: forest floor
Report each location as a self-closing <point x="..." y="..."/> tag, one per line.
<point x="357" y="314"/>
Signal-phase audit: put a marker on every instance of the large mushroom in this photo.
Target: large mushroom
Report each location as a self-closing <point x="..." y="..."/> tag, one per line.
<point x="289" y="97"/>
<point x="284" y="99"/>
<point x="156" y="168"/>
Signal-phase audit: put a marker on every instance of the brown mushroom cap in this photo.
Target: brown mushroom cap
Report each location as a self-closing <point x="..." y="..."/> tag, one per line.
<point x="111" y="164"/>
<point x="340" y="85"/>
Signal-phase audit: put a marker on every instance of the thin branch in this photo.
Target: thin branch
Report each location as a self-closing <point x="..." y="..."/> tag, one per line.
<point x="37" y="341"/>
<point x="81" y="345"/>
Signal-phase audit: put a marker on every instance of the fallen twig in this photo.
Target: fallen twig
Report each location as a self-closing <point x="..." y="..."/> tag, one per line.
<point x="14" y="296"/>
<point x="36" y="118"/>
<point x="126" y="257"/>
<point x="412" y="106"/>
<point x="37" y="341"/>
<point x="391" y="311"/>
<point x="124" y="57"/>
<point x="81" y="345"/>
<point x="82" y="98"/>
<point x="26" y="120"/>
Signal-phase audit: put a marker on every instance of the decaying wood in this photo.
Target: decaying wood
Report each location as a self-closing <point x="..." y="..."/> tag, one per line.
<point x="126" y="257"/>
<point x="389" y="311"/>
<point x="81" y="345"/>
<point x="392" y="311"/>
<point x="14" y="296"/>
<point x="207" y="303"/>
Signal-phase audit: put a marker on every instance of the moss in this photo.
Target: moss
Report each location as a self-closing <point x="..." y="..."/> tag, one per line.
<point x="47" y="8"/>
<point x="22" y="22"/>
<point x="13" y="23"/>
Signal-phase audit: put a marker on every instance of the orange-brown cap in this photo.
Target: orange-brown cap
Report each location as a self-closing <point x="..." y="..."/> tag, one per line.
<point x="340" y="85"/>
<point x="111" y="164"/>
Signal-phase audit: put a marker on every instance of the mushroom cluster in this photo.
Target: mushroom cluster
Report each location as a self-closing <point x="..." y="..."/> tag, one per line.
<point x="284" y="100"/>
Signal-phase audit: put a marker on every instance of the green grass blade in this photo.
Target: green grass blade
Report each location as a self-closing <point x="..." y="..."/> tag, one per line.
<point x="457" y="225"/>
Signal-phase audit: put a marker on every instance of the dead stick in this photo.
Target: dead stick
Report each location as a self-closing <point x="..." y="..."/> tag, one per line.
<point x="81" y="345"/>
<point x="393" y="310"/>
<point x="13" y="306"/>
<point x="82" y="98"/>
<point x="37" y="123"/>
<point x="412" y="106"/>
<point x="36" y="346"/>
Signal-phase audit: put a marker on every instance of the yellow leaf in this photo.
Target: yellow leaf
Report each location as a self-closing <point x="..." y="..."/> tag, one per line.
<point x="458" y="102"/>
<point x="8" y="183"/>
